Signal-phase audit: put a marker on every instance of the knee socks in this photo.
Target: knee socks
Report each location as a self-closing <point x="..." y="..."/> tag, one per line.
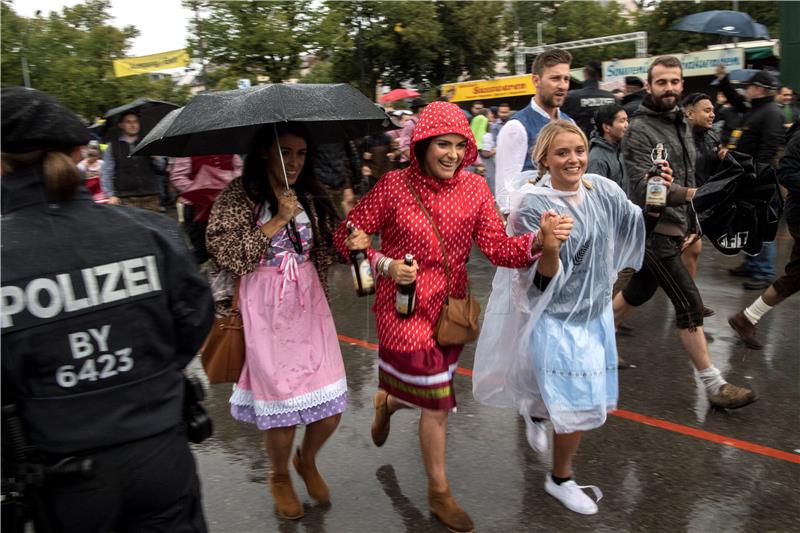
<point x="712" y="379"/>
<point x="757" y="310"/>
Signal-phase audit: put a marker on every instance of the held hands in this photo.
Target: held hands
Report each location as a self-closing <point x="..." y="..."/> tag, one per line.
<point x="401" y="273"/>
<point x="358" y="240"/>
<point x="554" y="229"/>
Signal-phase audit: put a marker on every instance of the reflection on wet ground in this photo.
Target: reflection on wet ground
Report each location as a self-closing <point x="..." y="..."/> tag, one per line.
<point x="654" y="478"/>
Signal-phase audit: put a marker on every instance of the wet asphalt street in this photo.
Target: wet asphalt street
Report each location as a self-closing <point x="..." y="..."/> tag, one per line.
<point x="665" y="461"/>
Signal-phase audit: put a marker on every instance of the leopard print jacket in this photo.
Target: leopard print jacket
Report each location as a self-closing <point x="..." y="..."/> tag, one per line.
<point x="237" y="244"/>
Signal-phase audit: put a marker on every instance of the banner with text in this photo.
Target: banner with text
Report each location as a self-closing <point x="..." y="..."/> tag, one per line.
<point x="504" y="87"/>
<point x="130" y="66"/>
<point x="694" y="64"/>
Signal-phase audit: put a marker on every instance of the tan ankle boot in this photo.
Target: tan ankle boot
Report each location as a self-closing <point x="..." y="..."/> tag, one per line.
<point x="446" y="508"/>
<point x="286" y="503"/>
<point x="316" y="486"/>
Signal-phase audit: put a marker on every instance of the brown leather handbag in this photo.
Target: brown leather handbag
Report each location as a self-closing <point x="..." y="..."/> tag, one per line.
<point x="222" y="353"/>
<point x="458" y="321"/>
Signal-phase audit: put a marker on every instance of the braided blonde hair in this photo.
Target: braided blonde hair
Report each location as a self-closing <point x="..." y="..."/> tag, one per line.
<point x="546" y="138"/>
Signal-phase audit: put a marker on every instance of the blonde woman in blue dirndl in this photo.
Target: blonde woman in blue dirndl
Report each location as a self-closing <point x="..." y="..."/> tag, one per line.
<point x="561" y="366"/>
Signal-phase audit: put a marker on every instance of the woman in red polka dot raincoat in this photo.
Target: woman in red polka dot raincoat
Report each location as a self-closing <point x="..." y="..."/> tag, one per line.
<point x="415" y="371"/>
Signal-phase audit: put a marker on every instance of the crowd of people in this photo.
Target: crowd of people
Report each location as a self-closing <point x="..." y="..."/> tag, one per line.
<point x="555" y="195"/>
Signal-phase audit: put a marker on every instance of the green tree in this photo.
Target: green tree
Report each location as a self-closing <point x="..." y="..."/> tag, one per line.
<point x="570" y="21"/>
<point x="70" y="56"/>
<point x="249" y="39"/>
<point x="424" y="43"/>
<point x="662" y="40"/>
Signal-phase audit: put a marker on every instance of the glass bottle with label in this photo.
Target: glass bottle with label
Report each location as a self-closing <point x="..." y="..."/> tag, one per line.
<point x="359" y="267"/>
<point x="656" y="196"/>
<point x="406" y="297"/>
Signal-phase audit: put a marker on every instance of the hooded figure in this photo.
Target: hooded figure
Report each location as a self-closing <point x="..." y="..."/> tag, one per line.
<point x="414" y="369"/>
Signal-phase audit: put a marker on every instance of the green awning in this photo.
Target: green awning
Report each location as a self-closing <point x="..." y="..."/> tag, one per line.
<point x="763" y="52"/>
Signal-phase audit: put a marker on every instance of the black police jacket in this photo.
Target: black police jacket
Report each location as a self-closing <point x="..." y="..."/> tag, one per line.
<point x="761" y="132"/>
<point x="102" y="308"/>
<point x="581" y="104"/>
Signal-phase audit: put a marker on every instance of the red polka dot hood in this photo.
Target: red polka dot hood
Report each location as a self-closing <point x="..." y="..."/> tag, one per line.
<point x="441" y="118"/>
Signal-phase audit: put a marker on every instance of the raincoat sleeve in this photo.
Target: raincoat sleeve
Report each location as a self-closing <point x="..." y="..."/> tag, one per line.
<point x="501" y="249"/>
<point x="504" y="374"/>
<point x="636" y="148"/>
<point x="370" y="215"/>
<point x="232" y="237"/>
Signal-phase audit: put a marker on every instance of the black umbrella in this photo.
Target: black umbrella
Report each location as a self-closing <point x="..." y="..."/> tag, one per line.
<point x="732" y="23"/>
<point x="226" y="122"/>
<point x="150" y="112"/>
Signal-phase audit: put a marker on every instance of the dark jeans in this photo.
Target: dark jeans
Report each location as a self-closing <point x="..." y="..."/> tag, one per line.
<point x="762" y="266"/>
<point x="663" y="268"/>
<point x="196" y="232"/>
<point x="789" y="282"/>
<point x="149" y="485"/>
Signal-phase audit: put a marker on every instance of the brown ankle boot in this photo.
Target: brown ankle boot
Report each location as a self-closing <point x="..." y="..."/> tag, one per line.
<point x="381" y="419"/>
<point x="316" y="486"/>
<point x="446" y="509"/>
<point x="286" y="503"/>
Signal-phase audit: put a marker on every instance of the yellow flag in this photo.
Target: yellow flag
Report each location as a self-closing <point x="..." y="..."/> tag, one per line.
<point x="130" y="66"/>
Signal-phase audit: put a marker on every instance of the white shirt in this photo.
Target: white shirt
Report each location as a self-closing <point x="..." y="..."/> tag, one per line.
<point x="512" y="148"/>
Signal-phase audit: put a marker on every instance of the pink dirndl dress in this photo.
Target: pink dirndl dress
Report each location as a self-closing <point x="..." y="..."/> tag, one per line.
<point x="293" y="372"/>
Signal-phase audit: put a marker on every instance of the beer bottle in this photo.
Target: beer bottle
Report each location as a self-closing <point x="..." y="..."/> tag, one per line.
<point x="406" y="298"/>
<point x="656" y="196"/>
<point x="359" y="267"/>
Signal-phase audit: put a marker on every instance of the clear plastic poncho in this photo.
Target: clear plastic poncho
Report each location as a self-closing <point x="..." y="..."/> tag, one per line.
<point x="553" y="354"/>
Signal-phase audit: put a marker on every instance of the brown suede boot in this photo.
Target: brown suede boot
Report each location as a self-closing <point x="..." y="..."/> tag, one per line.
<point x="286" y="503"/>
<point x="446" y="509"/>
<point x="380" y="422"/>
<point x="316" y="486"/>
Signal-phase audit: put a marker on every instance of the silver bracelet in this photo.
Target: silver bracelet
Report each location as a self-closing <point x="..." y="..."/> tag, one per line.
<point x="386" y="264"/>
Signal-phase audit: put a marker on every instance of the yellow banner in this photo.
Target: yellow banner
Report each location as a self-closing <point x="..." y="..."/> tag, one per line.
<point x="485" y="89"/>
<point x="130" y="66"/>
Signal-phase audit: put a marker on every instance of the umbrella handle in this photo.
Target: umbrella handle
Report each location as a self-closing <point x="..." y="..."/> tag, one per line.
<point x="280" y="154"/>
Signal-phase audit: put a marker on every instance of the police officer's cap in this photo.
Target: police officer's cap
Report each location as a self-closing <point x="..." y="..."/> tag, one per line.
<point x="762" y="78"/>
<point x="35" y="120"/>
<point x="635" y="81"/>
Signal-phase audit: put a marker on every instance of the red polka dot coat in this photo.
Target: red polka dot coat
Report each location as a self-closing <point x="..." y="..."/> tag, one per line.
<point x="464" y="211"/>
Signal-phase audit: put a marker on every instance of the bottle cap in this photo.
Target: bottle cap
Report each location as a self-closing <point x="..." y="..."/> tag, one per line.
<point x="409" y="259"/>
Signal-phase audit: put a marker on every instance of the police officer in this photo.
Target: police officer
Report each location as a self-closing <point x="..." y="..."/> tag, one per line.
<point x="581" y="104"/>
<point x="102" y="306"/>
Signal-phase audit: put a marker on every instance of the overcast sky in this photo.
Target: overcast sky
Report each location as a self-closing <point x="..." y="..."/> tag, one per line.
<point x="161" y="23"/>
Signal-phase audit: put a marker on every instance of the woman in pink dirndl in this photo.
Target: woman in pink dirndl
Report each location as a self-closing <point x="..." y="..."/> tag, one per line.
<point x="278" y="240"/>
<point x="414" y="370"/>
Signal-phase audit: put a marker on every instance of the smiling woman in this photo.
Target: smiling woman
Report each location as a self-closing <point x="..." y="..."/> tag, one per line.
<point x="433" y="210"/>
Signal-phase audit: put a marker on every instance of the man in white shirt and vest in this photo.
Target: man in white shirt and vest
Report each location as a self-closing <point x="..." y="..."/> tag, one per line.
<point x="550" y="73"/>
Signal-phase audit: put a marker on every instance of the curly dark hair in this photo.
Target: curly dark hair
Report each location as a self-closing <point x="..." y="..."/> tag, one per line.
<point x="258" y="189"/>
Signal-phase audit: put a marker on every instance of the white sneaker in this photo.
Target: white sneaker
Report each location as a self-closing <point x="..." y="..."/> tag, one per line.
<point x="570" y="494"/>
<point x="536" y="433"/>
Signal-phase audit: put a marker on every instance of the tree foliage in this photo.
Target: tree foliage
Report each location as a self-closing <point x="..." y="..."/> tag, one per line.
<point x="571" y="21"/>
<point x="70" y="56"/>
<point x="661" y="40"/>
<point x="365" y="43"/>
<point x="250" y="39"/>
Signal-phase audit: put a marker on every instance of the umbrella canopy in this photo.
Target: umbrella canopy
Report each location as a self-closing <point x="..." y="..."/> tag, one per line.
<point x="150" y="113"/>
<point x="732" y="23"/>
<point x="398" y="94"/>
<point x="226" y="122"/>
